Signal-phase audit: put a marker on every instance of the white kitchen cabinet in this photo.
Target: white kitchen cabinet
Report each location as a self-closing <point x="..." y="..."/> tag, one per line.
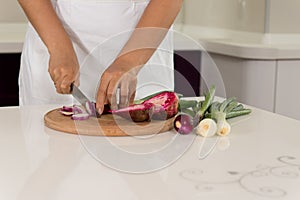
<point x="251" y="81"/>
<point x="287" y="92"/>
<point x="272" y="85"/>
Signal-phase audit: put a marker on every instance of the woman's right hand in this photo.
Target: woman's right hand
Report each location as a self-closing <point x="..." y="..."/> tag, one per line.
<point x="64" y="69"/>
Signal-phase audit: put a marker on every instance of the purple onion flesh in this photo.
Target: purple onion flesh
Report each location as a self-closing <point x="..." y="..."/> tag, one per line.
<point x="81" y="116"/>
<point x="183" y="124"/>
<point x="67" y="109"/>
<point x="78" y="110"/>
<point x="90" y="108"/>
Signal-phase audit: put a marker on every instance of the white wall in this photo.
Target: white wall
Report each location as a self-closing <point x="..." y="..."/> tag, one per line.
<point x="242" y="15"/>
<point x="11" y="12"/>
<point x="284" y="16"/>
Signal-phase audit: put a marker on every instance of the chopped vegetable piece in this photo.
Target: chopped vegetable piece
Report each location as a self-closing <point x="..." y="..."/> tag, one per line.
<point x="78" y="109"/>
<point x="90" y="108"/>
<point x="67" y="108"/>
<point x="81" y="116"/>
<point x="66" y="113"/>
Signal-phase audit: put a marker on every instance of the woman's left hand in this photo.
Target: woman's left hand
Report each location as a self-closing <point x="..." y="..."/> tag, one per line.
<point x="123" y="75"/>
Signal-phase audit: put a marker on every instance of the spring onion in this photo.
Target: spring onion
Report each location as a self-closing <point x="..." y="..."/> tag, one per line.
<point x="205" y="105"/>
<point x="206" y="128"/>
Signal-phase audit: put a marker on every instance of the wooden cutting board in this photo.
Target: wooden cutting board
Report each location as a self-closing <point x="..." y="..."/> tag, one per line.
<point x="107" y="125"/>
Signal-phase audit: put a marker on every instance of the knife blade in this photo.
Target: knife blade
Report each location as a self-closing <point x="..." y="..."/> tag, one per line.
<point x="83" y="100"/>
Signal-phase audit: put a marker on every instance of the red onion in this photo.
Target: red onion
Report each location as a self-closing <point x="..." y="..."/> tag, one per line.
<point x="66" y="110"/>
<point x="90" y="108"/>
<point x="81" y="116"/>
<point x="66" y="113"/>
<point x="183" y="124"/>
<point x="78" y="110"/>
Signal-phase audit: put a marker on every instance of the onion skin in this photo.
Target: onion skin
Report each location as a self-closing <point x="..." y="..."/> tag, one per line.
<point x="183" y="124"/>
<point x="161" y="106"/>
<point x="136" y="112"/>
<point x="166" y="105"/>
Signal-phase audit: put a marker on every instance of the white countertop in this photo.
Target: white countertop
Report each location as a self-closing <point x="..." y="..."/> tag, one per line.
<point x="259" y="160"/>
<point x="188" y="37"/>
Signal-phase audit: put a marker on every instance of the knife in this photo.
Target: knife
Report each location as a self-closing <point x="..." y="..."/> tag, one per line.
<point x="83" y="100"/>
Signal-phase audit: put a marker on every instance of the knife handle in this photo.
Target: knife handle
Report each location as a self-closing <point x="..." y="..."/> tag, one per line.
<point x="71" y="87"/>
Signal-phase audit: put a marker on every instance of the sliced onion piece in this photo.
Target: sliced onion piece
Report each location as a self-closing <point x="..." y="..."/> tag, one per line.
<point x="67" y="109"/>
<point x="81" y="116"/>
<point x="90" y="108"/>
<point x="78" y="110"/>
<point x="65" y="113"/>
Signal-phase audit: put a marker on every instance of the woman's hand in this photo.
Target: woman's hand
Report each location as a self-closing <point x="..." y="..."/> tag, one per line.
<point x="64" y="69"/>
<point x="63" y="64"/>
<point x="151" y="30"/>
<point x="123" y="75"/>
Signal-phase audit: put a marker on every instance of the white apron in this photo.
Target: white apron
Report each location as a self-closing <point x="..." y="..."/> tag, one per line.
<point x="98" y="30"/>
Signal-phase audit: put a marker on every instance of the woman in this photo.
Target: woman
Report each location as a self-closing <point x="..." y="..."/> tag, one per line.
<point x="111" y="42"/>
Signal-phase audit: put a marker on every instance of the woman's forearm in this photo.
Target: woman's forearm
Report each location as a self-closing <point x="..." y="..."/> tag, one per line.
<point x="45" y="21"/>
<point x="150" y="31"/>
<point x="63" y="65"/>
<point x="160" y="13"/>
